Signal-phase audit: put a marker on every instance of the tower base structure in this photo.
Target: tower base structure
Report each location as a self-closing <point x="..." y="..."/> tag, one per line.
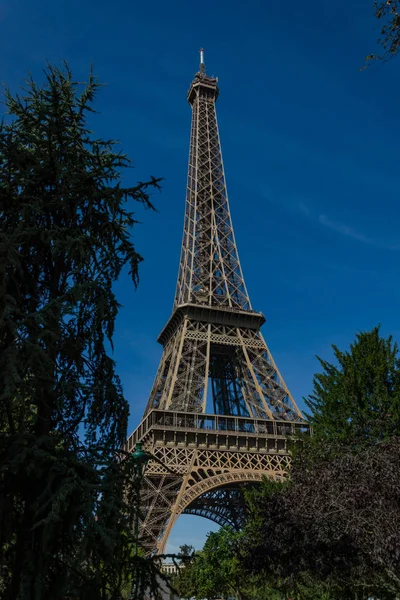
<point x="202" y="462"/>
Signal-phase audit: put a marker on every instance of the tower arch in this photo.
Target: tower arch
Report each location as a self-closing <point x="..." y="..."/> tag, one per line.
<point x="218" y="498"/>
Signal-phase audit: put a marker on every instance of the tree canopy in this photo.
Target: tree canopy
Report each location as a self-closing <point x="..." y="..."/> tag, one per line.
<point x="358" y="398"/>
<point x="332" y="530"/>
<point x="218" y="570"/>
<point x="335" y="523"/>
<point x="65" y="236"/>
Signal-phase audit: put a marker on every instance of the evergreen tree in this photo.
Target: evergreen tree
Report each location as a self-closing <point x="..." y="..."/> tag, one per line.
<point x="359" y="398"/>
<point x="65" y="236"/>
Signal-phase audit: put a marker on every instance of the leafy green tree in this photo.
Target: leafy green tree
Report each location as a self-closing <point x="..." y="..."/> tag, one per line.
<point x="184" y="580"/>
<point x="359" y="397"/>
<point x="218" y="571"/>
<point x="214" y="571"/>
<point x="186" y="551"/>
<point x="65" y="236"/>
<point x="333" y="530"/>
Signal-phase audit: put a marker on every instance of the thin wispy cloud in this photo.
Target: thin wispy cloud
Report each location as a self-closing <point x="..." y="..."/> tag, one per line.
<point x="303" y="209"/>
<point x="344" y="229"/>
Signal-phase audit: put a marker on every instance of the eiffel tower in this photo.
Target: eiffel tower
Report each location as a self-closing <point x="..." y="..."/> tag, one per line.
<point x="219" y="411"/>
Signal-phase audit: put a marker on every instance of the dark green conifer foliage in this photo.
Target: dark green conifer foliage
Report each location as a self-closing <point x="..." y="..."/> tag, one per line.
<point x="359" y="398"/>
<point x="65" y="236"/>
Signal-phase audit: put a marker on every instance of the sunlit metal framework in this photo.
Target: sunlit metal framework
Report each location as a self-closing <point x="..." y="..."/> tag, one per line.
<point x="215" y="359"/>
<point x="202" y="461"/>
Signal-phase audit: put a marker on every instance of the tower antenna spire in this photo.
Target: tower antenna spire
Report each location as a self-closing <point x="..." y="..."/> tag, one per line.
<point x="202" y="65"/>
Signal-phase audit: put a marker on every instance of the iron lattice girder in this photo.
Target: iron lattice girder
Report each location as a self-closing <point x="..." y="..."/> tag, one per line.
<point x="213" y="349"/>
<point x="201" y="460"/>
<point x="210" y="271"/>
<point x="183" y="378"/>
<point x="224" y="506"/>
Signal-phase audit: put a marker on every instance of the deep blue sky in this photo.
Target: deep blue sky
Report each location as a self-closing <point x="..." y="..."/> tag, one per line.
<point x="310" y="148"/>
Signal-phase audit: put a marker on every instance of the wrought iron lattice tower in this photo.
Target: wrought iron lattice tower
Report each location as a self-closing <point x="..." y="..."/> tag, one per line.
<point x="219" y="411"/>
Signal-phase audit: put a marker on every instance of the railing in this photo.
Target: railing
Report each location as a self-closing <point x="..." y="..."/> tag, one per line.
<point x="232" y="309"/>
<point x="184" y="421"/>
